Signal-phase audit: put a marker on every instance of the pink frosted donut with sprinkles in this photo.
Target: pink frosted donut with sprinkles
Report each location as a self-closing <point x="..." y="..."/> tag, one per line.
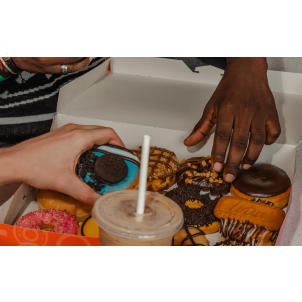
<point x="54" y="221"/>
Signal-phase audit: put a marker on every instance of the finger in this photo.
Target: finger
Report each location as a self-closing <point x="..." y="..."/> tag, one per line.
<point x="65" y="60"/>
<point x="105" y="136"/>
<point x="202" y="128"/>
<point x="79" y="190"/>
<point x="273" y="129"/>
<point x="237" y="148"/>
<point x="71" y="127"/>
<point x="256" y="143"/>
<point x="70" y="67"/>
<point x="222" y="138"/>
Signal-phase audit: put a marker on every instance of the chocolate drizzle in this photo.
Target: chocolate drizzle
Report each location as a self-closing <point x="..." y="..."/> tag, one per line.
<point x="198" y="217"/>
<point x="262" y="180"/>
<point x="190" y="236"/>
<point x="153" y="163"/>
<point x="247" y="231"/>
<point x="263" y="201"/>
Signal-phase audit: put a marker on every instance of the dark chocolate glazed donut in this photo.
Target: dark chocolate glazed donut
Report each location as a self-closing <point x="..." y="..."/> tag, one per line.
<point x="262" y="180"/>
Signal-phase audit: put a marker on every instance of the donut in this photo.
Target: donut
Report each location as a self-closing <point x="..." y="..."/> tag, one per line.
<point x="162" y="167"/>
<point x="108" y="168"/>
<point x="53" y="221"/>
<point x="197" y="205"/>
<point x="89" y="228"/>
<point x="198" y="171"/>
<point x="48" y="199"/>
<point x="190" y="236"/>
<point x="253" y="222"/>
<point x="232" y="242"/>
<point x="264" y="181"/>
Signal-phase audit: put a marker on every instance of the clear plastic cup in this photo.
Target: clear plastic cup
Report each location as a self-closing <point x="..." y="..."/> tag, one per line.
<point x="115" y="214"/>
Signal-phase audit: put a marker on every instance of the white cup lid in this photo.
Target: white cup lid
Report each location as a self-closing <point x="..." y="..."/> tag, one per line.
<point x="116" y="214"/>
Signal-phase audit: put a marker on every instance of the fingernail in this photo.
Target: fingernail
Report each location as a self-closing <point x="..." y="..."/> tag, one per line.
<point x="217" y="167"/>
<point x="90" y="59"/>
<point x="229" y="178"/>
<point x="246" y="166"/>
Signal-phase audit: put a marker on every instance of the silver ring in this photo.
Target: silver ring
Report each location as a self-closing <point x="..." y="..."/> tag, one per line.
<point x="64" y="69"/>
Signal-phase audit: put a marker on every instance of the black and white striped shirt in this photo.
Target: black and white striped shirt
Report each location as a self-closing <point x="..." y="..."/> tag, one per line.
<point x="28" y="103"/>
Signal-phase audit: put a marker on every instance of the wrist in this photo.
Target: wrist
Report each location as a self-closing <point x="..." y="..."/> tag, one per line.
<point x="17" y="62"/>
<point x="7" y="68"/>
<point x="258" y="65"/>
<point x="9" y="171"/>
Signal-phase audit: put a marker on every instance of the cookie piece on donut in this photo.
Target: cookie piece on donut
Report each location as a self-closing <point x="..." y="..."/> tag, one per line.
<point x="198" y="171"/>
<point x="48" y="199"/>
<point x="253" y="222"/>
<point x="109" y="168"/>
<point x="198" y="206"/>
<point x="163" y="165"/>
<point x="264" y="181"/>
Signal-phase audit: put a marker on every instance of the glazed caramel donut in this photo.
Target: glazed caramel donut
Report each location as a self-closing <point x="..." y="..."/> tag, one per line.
<point x="163" y="165"/>
<point x="198" y="171"/>
<point x="253" y="222"/>
<point x="48" y="199"/>
<point x="264" y="181"/>
<point x="89" y="228"/>
<point x="198" y="206"/>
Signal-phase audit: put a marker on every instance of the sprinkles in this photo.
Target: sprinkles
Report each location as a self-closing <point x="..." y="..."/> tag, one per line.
<point x="54" y="221"/>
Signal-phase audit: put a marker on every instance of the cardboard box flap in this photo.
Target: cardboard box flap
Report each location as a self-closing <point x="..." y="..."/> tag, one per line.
<point x="69" y="92"/>
<point x="10" y="209"/>
<point x="290" y="233"/>
<point x="284" y="82"/>
<point x="161" y="102"/>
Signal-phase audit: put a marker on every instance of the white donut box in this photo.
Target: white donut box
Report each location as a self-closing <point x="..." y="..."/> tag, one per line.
<point x="164" y="99"/>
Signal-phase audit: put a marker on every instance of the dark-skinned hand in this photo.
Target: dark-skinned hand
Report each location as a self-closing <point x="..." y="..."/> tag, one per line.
<point x="50" y="65"/>
<point x="244" y="111"/>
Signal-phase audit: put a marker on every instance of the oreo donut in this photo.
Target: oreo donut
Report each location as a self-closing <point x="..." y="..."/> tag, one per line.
<point x="197" y="204"/>
<point x="263" y="181"/>
<point x="198" y="171"/>
<point x="108" y="168"/>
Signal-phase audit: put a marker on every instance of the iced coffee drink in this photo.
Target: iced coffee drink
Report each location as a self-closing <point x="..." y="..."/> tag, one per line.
<point x="115" y="214"/>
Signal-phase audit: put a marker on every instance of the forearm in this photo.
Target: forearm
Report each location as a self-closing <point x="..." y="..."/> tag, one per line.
<point x="9" y="170"/>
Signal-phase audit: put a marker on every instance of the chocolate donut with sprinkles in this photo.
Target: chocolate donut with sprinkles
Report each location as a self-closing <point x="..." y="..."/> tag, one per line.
<point x="198" y="171"/>
<point x="197" y="204"/>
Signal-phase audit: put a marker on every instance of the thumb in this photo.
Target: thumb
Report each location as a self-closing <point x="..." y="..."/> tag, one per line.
<point x="79" y="190"/>
<point x="202" y="128"/>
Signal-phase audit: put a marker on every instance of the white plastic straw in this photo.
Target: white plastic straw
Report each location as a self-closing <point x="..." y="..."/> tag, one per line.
<point x="143" y="175"/>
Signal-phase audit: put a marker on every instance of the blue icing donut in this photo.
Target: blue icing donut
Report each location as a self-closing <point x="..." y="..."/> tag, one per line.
<point x="85" y="168"/>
